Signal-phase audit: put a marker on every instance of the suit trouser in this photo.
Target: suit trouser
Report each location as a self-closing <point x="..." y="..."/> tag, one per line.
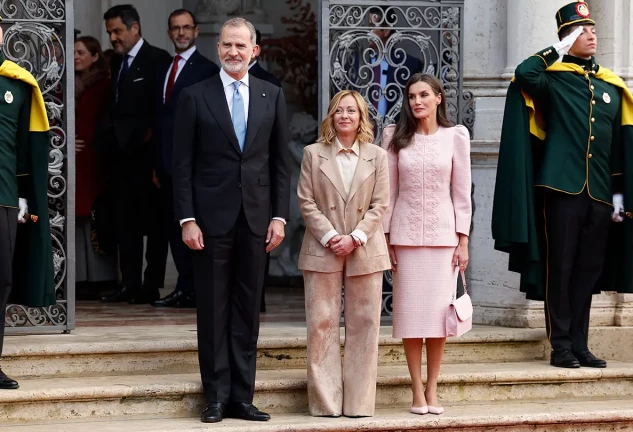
<point x="179" y="250"/>
<point x="228" y="277"/>
<point x="577" y="229"/>
<point x="348" y="389"/>
<point x="8" y="230"/>
<point x="139" y="216"/>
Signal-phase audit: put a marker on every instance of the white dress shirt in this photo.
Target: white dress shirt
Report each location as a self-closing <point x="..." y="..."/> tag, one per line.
<point x="184" y="58"/>
<point x="347" y="160"/>
<point x="227" y="83"/>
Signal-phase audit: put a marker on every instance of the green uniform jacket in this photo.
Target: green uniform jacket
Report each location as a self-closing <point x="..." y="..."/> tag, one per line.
<point x="33" y="278"/>
<point x="553" y="148"/>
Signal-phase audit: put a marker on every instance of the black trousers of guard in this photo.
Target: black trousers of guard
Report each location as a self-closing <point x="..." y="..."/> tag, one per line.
<point x="8" y="230"/>
<point x="577" y="229"/>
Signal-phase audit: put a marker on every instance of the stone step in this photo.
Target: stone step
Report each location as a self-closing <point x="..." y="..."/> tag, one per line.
<point x="554" y="416"/>
<point x="284" y="391"/>
<point x="173" y="349"/>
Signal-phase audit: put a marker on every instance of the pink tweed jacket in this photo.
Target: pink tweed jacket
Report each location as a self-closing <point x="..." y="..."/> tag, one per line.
<point x="430" y="184"/>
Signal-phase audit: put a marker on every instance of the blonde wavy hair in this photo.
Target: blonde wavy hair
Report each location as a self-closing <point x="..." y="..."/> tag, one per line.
<point x="366" y="128"/>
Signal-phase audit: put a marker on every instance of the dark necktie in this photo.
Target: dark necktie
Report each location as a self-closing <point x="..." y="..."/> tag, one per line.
<point x="172" y="78"/>
<point x="124" y="70"/>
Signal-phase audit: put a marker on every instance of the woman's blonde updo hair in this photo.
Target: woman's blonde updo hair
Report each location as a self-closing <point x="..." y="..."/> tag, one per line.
<point x="365" y="131"/>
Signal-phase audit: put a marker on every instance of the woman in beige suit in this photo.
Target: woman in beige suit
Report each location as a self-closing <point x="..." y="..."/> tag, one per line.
<point x="428" y="221"/>
<point x="343" y="193"/>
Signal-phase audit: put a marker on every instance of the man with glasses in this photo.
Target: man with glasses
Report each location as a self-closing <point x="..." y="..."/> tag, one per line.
<point x="187" y="67"/>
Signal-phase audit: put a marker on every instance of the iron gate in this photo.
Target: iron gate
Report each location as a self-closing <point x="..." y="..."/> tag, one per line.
<point x="359" y="40"/>
<point x="39" y="35"/>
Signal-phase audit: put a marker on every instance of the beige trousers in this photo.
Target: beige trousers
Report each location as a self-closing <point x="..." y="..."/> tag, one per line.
<point x="333" y="388"/>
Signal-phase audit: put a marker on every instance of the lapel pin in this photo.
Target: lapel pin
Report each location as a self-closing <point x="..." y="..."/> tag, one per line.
<point x="8" y="97"/>
<point x="263" y="94"/>
<point x="606" y="98"/>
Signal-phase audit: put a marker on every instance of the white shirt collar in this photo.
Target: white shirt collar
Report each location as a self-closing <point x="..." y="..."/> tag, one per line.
<point x="252" y="64"/>
<point x="227" y="80"/>
<point x="134" y="51"/>
<point x="188" y="53"/>
<point x="355" y="147"/>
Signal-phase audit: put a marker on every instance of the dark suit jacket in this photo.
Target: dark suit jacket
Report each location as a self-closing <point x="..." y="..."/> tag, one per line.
<point x="128" y="118"/>
<point x="197" y="69"/>
<point x="212" y="178"/>
<point x="257" y="71"/>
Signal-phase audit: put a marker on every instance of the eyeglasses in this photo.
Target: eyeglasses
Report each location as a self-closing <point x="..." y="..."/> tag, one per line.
<point x="186" y="28"/>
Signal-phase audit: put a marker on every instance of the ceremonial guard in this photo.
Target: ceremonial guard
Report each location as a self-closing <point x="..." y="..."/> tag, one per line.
<point x="565" y="175"/>
<point x="26" y="259"/>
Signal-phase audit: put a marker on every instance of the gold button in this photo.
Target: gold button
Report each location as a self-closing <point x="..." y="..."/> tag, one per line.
<point x="629" y="214"/>
<point x="592" y="138"/>
<point x="593" y="102"/>
<point x="590" y="156"/>
<point x="333" y="208"/>
<point x="593" y="119"/>
<point x="592" y="87"/>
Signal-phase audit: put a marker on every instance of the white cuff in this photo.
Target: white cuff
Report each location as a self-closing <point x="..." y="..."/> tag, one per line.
<point x="182" y="221"/>
<point x="360" y="236"/>
<point x="280" y="219"/>
<point x="328" y="236"/>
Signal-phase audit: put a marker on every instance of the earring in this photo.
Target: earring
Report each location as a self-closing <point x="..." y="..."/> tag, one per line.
<point x="358" y="129"/>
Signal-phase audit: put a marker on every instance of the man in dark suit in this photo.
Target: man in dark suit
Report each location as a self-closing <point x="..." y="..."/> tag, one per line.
<point x="187" y="68"/>
<point x="230" y="175"/>
<point x="126" y="133"/>
<point x="256" y="70"/>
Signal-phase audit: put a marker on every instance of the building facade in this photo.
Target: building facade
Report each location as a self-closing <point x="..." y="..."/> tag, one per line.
<point x="496" y="36"/>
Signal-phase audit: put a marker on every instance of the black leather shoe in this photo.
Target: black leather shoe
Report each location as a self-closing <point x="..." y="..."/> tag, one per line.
<point x="214" y="412"/>
<point x="7" y="383"/>
<point x="123" y="294"/>
<point x="246" y="411"/>
<point x="586" y="359"/>
<point x="177" y="299"/>
<point x="564" y="359"/>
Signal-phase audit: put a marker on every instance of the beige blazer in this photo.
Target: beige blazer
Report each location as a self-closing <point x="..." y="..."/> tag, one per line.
<point x="325" y="206"/>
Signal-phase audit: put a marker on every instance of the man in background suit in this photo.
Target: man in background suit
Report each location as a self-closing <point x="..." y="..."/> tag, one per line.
<point x="230" y="175"/>
<point x="187" y="68"/>
<point x="256" y="70"/>
<point x="126" y="133"/>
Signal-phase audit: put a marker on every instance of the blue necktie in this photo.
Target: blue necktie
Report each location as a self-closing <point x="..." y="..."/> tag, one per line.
<point x="239" y="118"/>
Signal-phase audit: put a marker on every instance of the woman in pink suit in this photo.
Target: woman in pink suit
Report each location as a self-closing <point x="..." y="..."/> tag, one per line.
<point x="427" y="225"/>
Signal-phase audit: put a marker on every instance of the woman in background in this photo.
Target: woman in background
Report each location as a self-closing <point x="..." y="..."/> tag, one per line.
<point x="91" y="88"/>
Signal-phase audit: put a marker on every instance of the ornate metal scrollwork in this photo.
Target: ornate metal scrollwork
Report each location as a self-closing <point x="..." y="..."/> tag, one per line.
<point x="398" y="40"/>
<point x="34" y="38"/>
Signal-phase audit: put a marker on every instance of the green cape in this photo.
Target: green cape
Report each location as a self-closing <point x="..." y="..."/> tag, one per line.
<point x="33" y="278"/>
<point x="517" y="212"/>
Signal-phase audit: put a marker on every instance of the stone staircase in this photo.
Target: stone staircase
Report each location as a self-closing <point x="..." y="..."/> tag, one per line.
<point x="146" y="379"/>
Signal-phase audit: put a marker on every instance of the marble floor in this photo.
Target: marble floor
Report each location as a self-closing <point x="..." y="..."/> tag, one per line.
<point x="283" y="305"/>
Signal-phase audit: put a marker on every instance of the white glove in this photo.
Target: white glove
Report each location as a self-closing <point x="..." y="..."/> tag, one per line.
<point x="618" y="207"/>
<point x="568" y="41"/>
<point x="24" y="208"/>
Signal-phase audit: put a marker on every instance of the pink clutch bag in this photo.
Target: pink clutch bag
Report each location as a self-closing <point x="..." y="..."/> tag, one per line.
<point x="459" y="318"/>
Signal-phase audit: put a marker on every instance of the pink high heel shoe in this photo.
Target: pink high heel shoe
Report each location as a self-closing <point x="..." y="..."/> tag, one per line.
<point x="420" y="410"/>
<point x="435" y="410"/>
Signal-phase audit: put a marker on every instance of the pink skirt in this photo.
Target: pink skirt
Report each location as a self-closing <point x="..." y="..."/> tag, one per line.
<point x="423" y="288"/>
